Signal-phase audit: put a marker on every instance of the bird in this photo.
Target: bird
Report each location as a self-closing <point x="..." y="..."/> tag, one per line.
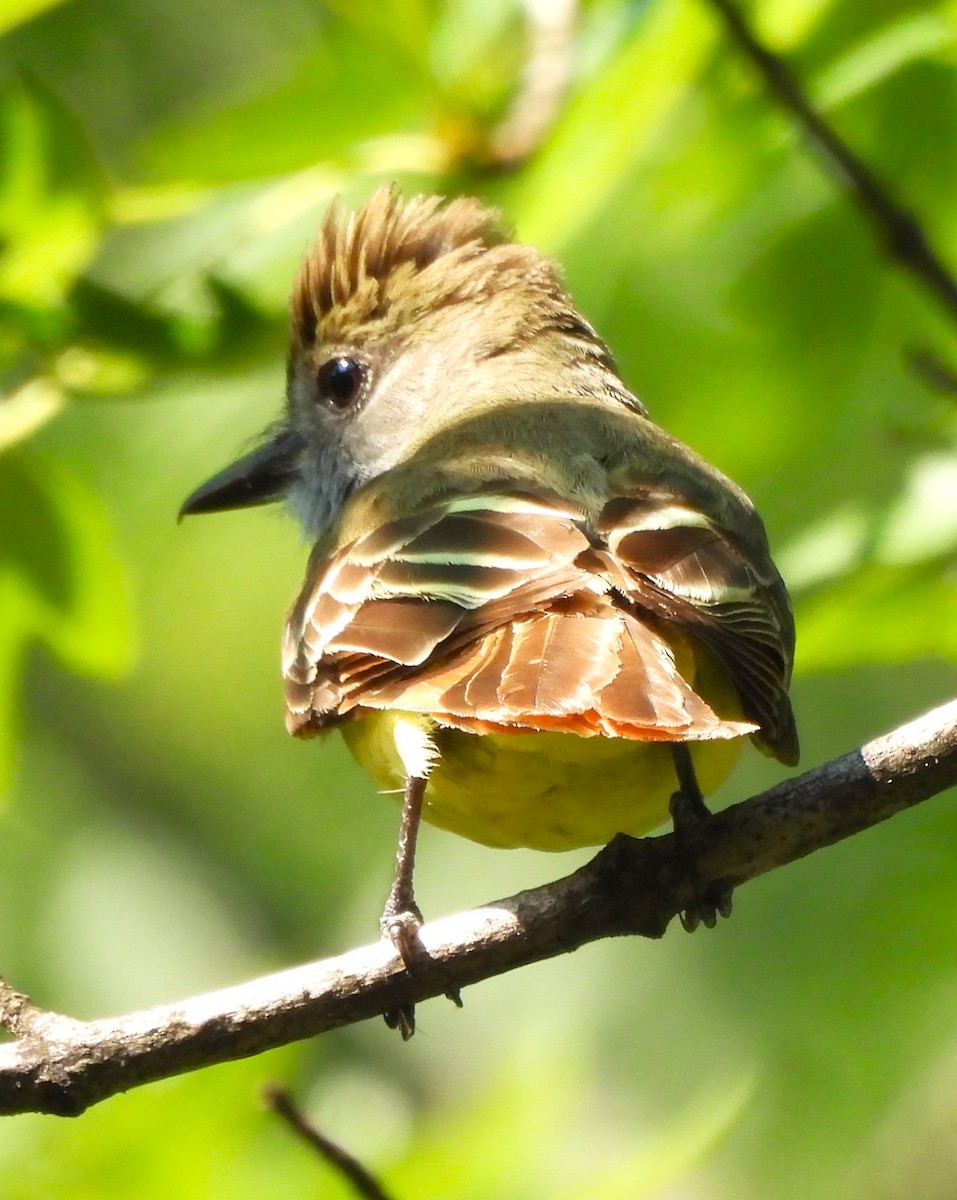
<point x="530" y="610"/>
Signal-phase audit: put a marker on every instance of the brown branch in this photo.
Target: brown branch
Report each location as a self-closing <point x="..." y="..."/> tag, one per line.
<point x="62" y="1066"/>
<point x="545" y="79"/>
<point x="897" y="227"/>
<point x="362" y="1181"/>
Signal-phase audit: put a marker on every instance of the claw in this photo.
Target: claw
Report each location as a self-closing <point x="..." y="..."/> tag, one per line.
<point x="403" y="1019"/>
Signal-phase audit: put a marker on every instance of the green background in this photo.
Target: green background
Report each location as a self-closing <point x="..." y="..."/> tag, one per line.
<point x="163" y="166"/>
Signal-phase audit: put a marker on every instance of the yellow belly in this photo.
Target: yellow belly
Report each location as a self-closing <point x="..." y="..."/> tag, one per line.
<point x="545" y="791"/>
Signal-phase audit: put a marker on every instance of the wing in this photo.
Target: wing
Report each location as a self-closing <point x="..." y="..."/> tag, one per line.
<point x="675" y="561"/>
<point x="489" y="612"/>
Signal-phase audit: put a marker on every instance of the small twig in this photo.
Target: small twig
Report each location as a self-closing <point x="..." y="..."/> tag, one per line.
<point x="62" y="1066"/>
<point x="898" y="227"/>
<point x="362" y="1181"/>
<point x="548" y="68"/>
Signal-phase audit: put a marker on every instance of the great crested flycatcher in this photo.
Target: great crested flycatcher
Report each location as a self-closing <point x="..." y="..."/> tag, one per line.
<point x="528" y="606"/>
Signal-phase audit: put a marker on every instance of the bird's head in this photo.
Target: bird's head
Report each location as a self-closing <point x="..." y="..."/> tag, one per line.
<point x="406" y="317"/>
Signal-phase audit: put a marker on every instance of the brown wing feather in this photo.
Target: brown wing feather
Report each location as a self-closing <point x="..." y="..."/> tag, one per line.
<point x="497" y="612"/>
<point x="682" y="566"/>
<point x="608" y="675"/>
<point x="454" y="567"/>
<point x="403" y="630"/>
<point x="557" y="665"/>
<point x="645" y="691"/>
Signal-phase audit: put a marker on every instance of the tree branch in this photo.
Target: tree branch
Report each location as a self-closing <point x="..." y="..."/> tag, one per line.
<point x="545" y="80"/>
<point x="62" y="1066"/>
<point x="898" y="228"/>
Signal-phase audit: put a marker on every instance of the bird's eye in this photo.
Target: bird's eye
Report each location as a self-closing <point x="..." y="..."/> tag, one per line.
<point x="340" y="381"/>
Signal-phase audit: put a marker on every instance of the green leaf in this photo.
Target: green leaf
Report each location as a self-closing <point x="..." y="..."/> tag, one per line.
<point x="356" y="84"/>
<point x="887" y="50"/>
<point x="630" y="103"/>
<point x="15" y="12"/>
<point x="61" y="582"/>
<point x="880" y="614"/>
<point x="110" y="318"/>
<point x="922" y="523"/>
<point x="24" y="411"/>
<point x="892" y="590"/>
<point x="50" y="209"/>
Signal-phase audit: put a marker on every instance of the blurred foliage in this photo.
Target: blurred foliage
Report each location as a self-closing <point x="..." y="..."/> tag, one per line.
<point x="162" y="168"/>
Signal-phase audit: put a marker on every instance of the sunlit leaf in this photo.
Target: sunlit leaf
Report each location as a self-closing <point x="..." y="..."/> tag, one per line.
<point x="787" y="23"/>
<point x="828" y="550"/>
<point x="25" y="410"/>
<point x="891" y="47"/>
<point x="15" y="12"/>
<point x="923" y="521"/>
<point x="49" y="197"/>
<point x="98" y="371"/>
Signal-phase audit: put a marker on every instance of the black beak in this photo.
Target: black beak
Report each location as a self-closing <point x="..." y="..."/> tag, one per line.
<point x="259" y="477"/>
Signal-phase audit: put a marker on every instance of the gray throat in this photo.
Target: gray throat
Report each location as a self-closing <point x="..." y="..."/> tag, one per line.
<point x="324" y="482"/>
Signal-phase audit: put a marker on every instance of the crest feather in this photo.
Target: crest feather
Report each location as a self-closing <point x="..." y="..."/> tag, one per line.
<point x="359" y="257"/>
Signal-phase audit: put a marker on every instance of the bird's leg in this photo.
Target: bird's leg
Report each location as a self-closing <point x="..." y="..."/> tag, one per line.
<point x="688" y="812"/>
<point x="402" y="918"/>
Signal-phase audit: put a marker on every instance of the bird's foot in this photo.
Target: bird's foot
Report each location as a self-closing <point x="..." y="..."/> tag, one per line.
<point x="400" y="924"/>
<point x="689" y="815"/>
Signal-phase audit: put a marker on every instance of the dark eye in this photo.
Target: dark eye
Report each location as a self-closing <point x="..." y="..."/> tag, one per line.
<point x="340" y="381"/>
